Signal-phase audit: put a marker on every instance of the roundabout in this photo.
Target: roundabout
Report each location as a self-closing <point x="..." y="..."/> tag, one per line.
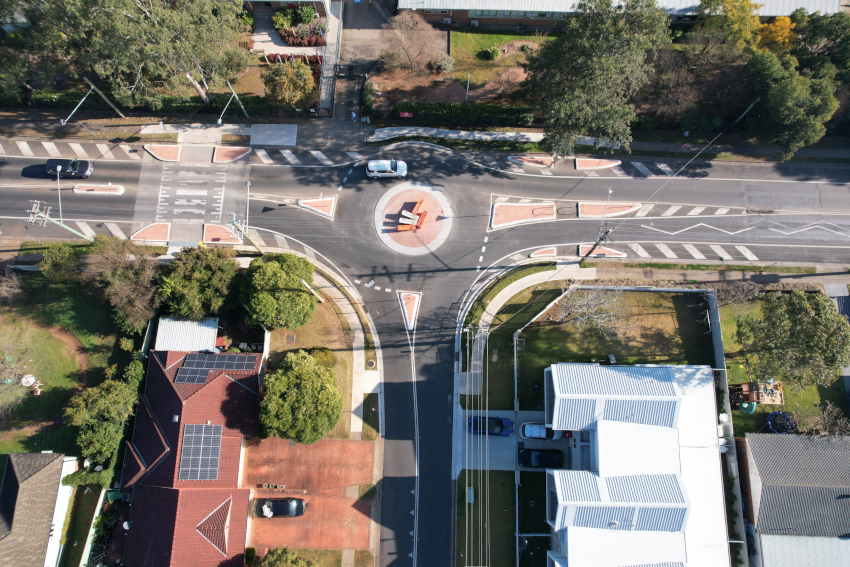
<point x="413" y="218"/>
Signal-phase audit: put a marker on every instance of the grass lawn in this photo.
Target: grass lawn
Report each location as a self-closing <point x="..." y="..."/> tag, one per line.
<point x="322" y="557"/>
<point x="468" y="52"/>
<point x="80" y="515"/>
<point x="665" y="329"/>
<point x="326" y="330"/>
<point x="371" y="417"/>
<point x="485" y="297"/>
<point x="363" y="558"/>
<point x="796" y="399"/>
<point x="532" y="502"/>
<point x="502" y="541"/>
<point x="367" y="491"/>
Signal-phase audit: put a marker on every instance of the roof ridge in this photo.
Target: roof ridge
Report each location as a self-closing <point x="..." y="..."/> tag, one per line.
<point x="159" y="432"/>
<point x="214" y="528"/>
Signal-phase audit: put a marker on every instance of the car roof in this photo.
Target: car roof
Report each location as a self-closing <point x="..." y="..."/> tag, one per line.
<point x="379" y="163"/>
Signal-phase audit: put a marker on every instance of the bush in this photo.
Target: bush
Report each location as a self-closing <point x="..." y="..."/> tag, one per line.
<point x="323" y="356"/>
<point x="282" y="19"/>
<point x="134" y="374"/>
<point x="247" y="20"/>
<point x="697" y="123"/>
<point x="644" y="123"/>
<point x="493" y="53"/>
<point x="305" y="13"/>
<point x="368" y="102"/>
<point x="468" y="114"/>
<point x="444" y="64"/>
<point x="86" y="477"/>
<point x="126" y="343"/>
<point x="250" y="556"/>
<point x="389" y="60"/>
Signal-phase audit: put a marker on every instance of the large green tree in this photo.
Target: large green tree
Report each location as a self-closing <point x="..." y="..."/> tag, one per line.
<point x="584" y="79"/>
<point x="738" y="19"/>
<point x="289" y="84"/>
<point x="99" y="414"/>
<point x="794" y="106"/>
<point x="800" y="338"/>
<point x="273" y="293"/>
<point x="823" y="39"/>
<point x="301" y="400"/>
<point x="197" y="282"/>
<point x="283" y="557"/>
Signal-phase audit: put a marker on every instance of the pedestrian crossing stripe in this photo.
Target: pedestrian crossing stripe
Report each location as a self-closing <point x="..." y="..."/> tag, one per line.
<point x="86" y="229"/>
<point x="290" y="157"/>
<point x="115" y="230"/>
<point x="692" y="250"/>
<point x="666" y="250"/>
<point x="669" y="212"/>
<point x="281" y="241"/>
<point x="591" y="174"/>
<point x="78" y="149"/>
<point x="721" y="211"/>
<point x="104" y="151"/>
<point x="639" y="250"/>
<point x="545" y="172"/>
<point x="25" y="149"/>
<point x="666" y="169"/>
<point x="618" y="171"/>
<point x="746" y="252"/>
<point x="129" y="151"/>
<point x="354" y="155"/>
<point x="643" y="169"/>
<point x="264" y="157"/>
<point x="51" y="149"/>
<point x="321" y="157"/>
<point x="724" y="255"/>
<point x="695" y="211"/>
<point x="644" y="210"/>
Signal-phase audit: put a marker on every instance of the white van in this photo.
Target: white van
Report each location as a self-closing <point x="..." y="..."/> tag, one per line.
<point x="386" y="168"/>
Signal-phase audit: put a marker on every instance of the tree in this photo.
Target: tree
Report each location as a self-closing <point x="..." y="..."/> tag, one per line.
<point x="823" y="39"/>
<point x="778" y="36"/>
<point x="301" y="400"/>
<point x="793" y="107"/>
<point x="59" y="261"/>
<point x="16" y="361"/>
<point x="289" y="84"/>
<point x="197" y="282"/>
<point x="99" y="440"/>
<point x="829" y="420"/>
<point x="273" y="293"/>
<point x="411" y="40"/>
<point x="10" y="288"/>
<point x="283" y="557"/>
<point x="134" y="374"/>
<point x="598" y="309"/>
<point x="800" y="339"/>
<point x="586" y="77"/>
<point x="99" y="414"/>
<point x="738" y="19"/>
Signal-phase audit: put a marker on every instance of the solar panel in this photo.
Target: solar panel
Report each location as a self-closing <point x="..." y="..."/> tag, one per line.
<point x="191" y="376"/>
<point x="220" y="361"/>
<point x="201" y="450"/>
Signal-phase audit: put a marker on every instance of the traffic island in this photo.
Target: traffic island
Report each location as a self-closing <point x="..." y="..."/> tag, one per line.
<point x="164" y="152"/>
<point x="99" y="189"/>
<point x="409" y="301"/>
<point x="532" y="161"/>
<point x="599" y="252"/>
<point x="156" y="232"/>
<point x="511" y="214"/>
<point x="413" y="218"/>
<point x="590" y="164"/>
<point x="217" y="234"/>
<point x="226" y="154"/>
<point x="599" y="209"/>
<point x="542" y="253"/>
<point x="325" y="207"/>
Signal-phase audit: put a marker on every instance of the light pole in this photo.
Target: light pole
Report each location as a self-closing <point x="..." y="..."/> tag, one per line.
<point x="59" y="191"/>
<point x="606" y="208"/>
<point x="247" y="199"/>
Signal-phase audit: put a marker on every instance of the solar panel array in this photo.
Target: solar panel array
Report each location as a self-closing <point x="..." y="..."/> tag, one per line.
<point x="201" y="450"/>
<point x="197" y="366"/>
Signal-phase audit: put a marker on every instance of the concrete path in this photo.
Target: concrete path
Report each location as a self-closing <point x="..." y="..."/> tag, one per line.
<point x="331" y="55"/>
<point x="267" y="40"/>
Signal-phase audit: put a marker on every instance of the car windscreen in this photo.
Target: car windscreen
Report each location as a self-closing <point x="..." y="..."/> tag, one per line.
<point x="494" y="426"/>
<point x="394" y="165"/>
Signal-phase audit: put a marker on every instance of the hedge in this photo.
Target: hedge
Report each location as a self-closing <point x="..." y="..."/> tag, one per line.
<point x="466" y="114"/>
<point x="84" y="477"/>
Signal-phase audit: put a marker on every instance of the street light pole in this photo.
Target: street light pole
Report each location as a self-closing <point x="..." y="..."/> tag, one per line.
<point x="59" y="191"/>
<point x="247" y="199"/>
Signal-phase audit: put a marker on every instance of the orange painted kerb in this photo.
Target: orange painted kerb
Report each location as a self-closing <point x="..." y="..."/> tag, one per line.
<point x="325" y="207"/>
<point x="595" y="209"/>
<point x="583" y="164"/>
<point x="227" y="154"/>
<point x="156" y="232"/>
<point x="217" y="234"/>
<point x="164" y="152"/>
<point x="509" y="214"/>
<point x="600" y="252"/>
<point x="542" y="252"/>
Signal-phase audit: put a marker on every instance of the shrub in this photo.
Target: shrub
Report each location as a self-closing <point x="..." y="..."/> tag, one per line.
<point x="323" y="356"/>
<point x="389" y="60"/>
<point x="366" y="97"/>
<point x="134" y="374"/>
<point x="305" y="13"/>
<point x="126" y="343"/>
<point x="697" y="123"/>
<point x="643" y="123"/>
<point x="444" y="64"/>
<point x="458" y="113"/>
<point x="493" y="53"/>
<point x="282" y="19"/>
<point x="248" y="20"/>
<point x="86" y="477"/>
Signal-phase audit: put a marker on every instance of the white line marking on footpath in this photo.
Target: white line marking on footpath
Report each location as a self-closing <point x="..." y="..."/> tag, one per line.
<point x="644" y="210"/>
<point x="591" y="174"/>
<point x="263" y="155"/>
<point x="721" y="211"/>
<point x="665" y="168"/>
<point x="86" y="229"/>
<point x="104" y="151"/>
<point x="281" y="241"/>
<point x="720" y="252"/>
<point x="78" y="149"/>
<point x="51" y="149"/>
<point x="129" y="151"/>
<point x="545" y="172"/>
<point x="483" y="248"/>
<point x="290" y="157"/>
<point x="666" y="250"/>
<point x="618" y="171"/>
<point x="695" y="211"/>
<point x="640" y="251"/>
<point x="643" y="169"/>
<point x="344" y="179"/>
<point x="116" y="230"/>
<point x="354" y="155"/>
<point x="191" y="192"/>
<point x="25" y="149"/>
<point x="746" y="252"/>
<point x="669" y="212"/>
<point x="692" y="250"/>
<point x="321" y="157"/>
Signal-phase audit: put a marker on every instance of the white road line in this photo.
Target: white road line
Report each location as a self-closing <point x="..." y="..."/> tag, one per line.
<point x="545" y="172"/>
<point x="643" y="169"/>
<point x="129" y="151"/>
<point x="104" y="151"/>
<point x="501" y="199"/>
<point x="721" y="211"/>
<point x="388" y="290"/>
<point x="665" y="168"/>
<point x="78" y="149"/>
<point x="264" y="157"/>
<point x="321" y="157"/>
<point x="191" y="192"/>
<point x="86" y="229"/>
<point x="354" y="155"/>
<point x="692" y="250"/>
<point x="115" y="230"/>
<point x="746" y="252"/>
<point x="669" y="212"/>
<point x="666" y="250"/>
<point x="644" y="210"/>
<point x="281" y="241"/>
<point x="25" y="149"/>
<point x="695" y="211"/>
<point x="377" y="288"/>
<point x="618" y="171"/>
<point x="525" y="200"/>
<point x="290" y="157"/>
<point x="640" y="251"/>
<point x="189" y="211"/>
<point x="724" y="255"/>
<point x="51" y="149"/>
<point x="591" y="174"/>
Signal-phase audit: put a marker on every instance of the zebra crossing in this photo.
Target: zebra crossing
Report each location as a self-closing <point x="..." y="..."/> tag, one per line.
<point x="673" y="251"/>
<point x="69" y="150"/>
<point x="302" y="158"/>
<point x="191" y="194"/>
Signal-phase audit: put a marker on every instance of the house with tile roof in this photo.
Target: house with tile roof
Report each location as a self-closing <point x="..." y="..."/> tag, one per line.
<point x="646" y="488"/>
<point x="182" y="465"/>
<point x="33" y="507"/>
<point x="798" y="496"/>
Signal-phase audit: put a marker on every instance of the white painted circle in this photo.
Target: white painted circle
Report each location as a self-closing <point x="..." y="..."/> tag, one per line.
<point x="441" y="237"/>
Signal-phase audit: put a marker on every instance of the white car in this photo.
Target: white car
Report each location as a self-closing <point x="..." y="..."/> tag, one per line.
<point x="386" y="168"/>
<point x="538" y="431"/>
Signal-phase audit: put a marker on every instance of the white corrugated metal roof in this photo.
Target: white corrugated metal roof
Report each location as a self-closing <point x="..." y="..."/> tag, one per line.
<point x="616" y="381"/>
<point x="629" y="448"/>
<point x="681" y="7"/>
<point x="587" y="547"/>
<point x="184" y="335"/>
<point x="794" y="551"/>
<point x="577" y="486"/>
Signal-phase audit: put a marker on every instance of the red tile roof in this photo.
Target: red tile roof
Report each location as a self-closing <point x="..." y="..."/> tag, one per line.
<point x="215" y="526"/>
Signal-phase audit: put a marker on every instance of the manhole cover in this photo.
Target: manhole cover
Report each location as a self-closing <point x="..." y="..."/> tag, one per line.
<point x="531" y="503"/>
<point x="371" y="364"/>
<point x="290" y="339"/>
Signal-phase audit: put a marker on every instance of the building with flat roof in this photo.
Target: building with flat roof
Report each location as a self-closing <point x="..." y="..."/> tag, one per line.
<point x="181" y="334"/>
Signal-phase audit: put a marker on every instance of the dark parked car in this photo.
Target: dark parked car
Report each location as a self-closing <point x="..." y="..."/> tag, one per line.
<point x="277" y="507"/>
<point x="490" y="426"/>
<point x="70" y="168"/>
<point x="543" y="459"/>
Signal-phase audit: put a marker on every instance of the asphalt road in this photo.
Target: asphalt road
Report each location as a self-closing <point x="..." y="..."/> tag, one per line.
<point x="784" y="213"/>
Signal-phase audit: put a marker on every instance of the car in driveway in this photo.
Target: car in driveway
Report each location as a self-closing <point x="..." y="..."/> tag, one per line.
<point x="490" y="426"/>
<point x="70" y="168"/>
<point x="277" y="508"/>
<point x="540" y="459"/>
<point x="539" y="431"/>
<point x="386" y="168"/>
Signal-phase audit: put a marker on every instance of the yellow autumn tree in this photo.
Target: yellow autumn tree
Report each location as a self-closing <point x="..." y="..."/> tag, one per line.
<point x="738" y="19"/>
<point x="778" y="36"/>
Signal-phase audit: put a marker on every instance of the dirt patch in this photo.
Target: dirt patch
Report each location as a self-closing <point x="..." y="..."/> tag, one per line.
<point x="501" y="85"/>
<point x="73" y="346"/>
<point x="516" y="46"/>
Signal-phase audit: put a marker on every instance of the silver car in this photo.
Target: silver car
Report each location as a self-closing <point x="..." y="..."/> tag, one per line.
<point x="538" y="431"/>
<point x="386" y="168"/>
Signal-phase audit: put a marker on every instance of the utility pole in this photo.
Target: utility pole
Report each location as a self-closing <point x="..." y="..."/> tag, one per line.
<point x="40" y="217"/>
<point x="59" y="191"/>
<point x="247" y="199"/>
<point x="602" y="233"/>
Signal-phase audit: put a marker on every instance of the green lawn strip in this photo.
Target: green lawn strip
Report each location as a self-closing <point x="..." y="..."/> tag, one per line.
<point x="368" y="340"/>
<point x="702" y="267"/>
<point x="796" y="399"/>
<point x="367" y="491"/>
<point x="83" y="507"/>
<point x="321" y="557"/>
<point x="35" y="246"/>
<point x="501" y="519"/>
<point x="532" y="502"/>
<point x="371" y="417"/>
<point x="665" y="330"/>
<point x="363" y="558"/>
<point x="489" y="294"/>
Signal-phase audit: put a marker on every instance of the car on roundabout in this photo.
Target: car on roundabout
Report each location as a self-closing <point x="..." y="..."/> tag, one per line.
<point x="498" y="426"/>
<point x="277" y="508"/>
<point x="386" y="168"/>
